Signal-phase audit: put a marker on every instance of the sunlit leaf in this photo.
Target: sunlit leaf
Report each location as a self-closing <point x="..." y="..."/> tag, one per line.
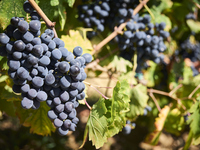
<point x="139" y="98"/>
<point x="75" y="39"/>
<point x="153" y="137"/>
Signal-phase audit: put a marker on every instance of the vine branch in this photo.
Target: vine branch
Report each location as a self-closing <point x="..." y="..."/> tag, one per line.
<point x="190" y="96"/>
<point x="119" y="29"/>
<point x="43" y="16"/>
<point x="175" y="89"/>
<point x="155" y="101"/>
<point x="86" y="103"/>
<point x="90" y="85"/>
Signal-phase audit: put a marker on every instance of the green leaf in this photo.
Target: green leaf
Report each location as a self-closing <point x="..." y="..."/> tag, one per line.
<point x="107" y="117"/>
<point x="194" y="119"/>
<point x="120" y="64"/>
<point x="139" y="98"/>
<point x="48" y="9"/>
<point x="70" y="3"/>
<point x="97" y="124"/>
<point x="175" y="122"/>
<point x="37" y="120"/>
<point x="117" y="107"/>
<point x="75" y="39"/>
<point x="193" y="25"/>
<point x="3" y="78"/>
<point x="7" y="107"/>
<point x="163" y="4"/>
<point x="9" y="9"/>
<point x="54" y="2"/>
<point x="62" y="16"/>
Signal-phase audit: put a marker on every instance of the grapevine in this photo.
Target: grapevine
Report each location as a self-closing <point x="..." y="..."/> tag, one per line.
<point x="103" y="74"/>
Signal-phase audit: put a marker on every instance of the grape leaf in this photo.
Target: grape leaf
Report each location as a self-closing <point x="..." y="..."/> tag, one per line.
<point x="75" y="39"/>
<point x="62" y="15"/>
<point x="9" y="9"/>
<point x="193" y="25"/>
<point x="153" y="137"/>
<point x="54" y="2"/>
<point x="194" y="119"/>
<point x="138" y="102"/>
<point x="70" y="3"/>
<point x="175" y="122"/>
<point x="37" y="120"/>
<point x="6" y="91"/>
<point x="117" y="107"/>
<point x="129" y="76"/>
<point x="120" y="64"/>
<point x="107" y="117"/>
<point x="49" y="10"/>
<point x="163" y="4"/>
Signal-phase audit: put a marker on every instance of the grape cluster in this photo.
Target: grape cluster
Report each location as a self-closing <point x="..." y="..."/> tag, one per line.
<point x="128" y="127"/>
<point x="190" y="16"/>
<point x="42" y="69"/>
<point x="103" y="13"/>
<point x="145" y="38"/>
<point x="139" y="34"/>
<point x="190" y="49"/>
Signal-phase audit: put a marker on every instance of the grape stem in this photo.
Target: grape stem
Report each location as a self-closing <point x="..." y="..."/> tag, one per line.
<point x="119" y="29"/>
<point x="167" y="94"/>
<point x="86" y="103"/>
<point x="147" y="8"/>
<point x="90" y="85"/>
<point x="192" y="93"/>
<point x="175" y="89"/>
<point x="155" y="101"/>
<point x="43" y="16"/>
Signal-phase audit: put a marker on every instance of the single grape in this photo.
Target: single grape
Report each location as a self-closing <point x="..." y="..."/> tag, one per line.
<point x="56" y="101"/>
<point x="56" y="54"/>
<point x="27" y="37"/>
<point x="32" y="93"/>
<point x="4" y="39"/>
<point x="36" y="104"/>
<point x="19" y="45"/>
<point x="23" y="26"/>
<point x="41" y="96"/>
<point x="59" y="108"/>
<point x="37" y="82"/>
<point x="58" y="123"/>
<point x="26" y="103"/>
<point x="34" y="25"/>
<point x="44" y="60"/>
<point x="62" y="131"/>
<point x="27" y="7"/>
<point x="52" y="114"/>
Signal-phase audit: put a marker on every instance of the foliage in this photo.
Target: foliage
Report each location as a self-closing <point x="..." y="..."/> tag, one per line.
<point x="131" y="95"/>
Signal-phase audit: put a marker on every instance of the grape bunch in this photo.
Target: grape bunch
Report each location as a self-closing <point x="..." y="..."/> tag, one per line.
<point x="128" y="127"/>
<point x="42" y="69"/>
<point x="144" y="38"/>
<point x="190" y="48"/>
<point x="102" y="13"/>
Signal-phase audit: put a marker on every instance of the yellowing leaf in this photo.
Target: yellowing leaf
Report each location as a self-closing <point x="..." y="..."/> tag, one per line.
<point x="75" y="39"/>
<point x="37" y="120"/>
<point x="153" y="137"/>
